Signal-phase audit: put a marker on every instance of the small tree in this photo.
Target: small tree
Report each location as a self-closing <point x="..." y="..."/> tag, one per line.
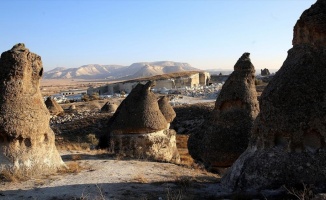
<point x="95" y="96"/>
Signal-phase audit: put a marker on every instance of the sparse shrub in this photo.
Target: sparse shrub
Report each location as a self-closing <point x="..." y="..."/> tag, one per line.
<point x="92" y="139"/>
<point x="303" y="193"/>
<point x="140" y="178"/>
<point x="72" y="167"/>
<point x="85" y="98"/>
<point x="258" y="82"/>
<point x="95" y="96"/>
<point x="174" y="194"/>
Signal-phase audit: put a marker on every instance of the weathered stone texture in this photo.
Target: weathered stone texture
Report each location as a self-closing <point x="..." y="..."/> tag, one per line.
<point x="109" y="107"/>
<point x="53" y="107"/>
<point x="310" y="28"/>
<point x="166" y="109"/>
<point x="139" y="129"/>
<point x="289" y="135"/>
<point x="138" y="113"/>
<point x="26" y="139"/>
<point x="222" y="138"/>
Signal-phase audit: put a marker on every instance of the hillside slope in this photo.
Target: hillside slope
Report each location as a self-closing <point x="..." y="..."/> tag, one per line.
<point x="113" y="72"/>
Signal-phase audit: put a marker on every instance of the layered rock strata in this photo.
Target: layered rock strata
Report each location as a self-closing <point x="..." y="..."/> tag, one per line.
<point x="221" y="139"/>
<point x="26" y="139"/>
<point x="287" y="146"/>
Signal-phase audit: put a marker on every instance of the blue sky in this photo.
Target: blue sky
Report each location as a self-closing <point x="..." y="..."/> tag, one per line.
<point x="207" y="34"/>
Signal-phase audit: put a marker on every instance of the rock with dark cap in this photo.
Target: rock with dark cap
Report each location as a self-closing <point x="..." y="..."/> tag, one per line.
<point x="139" y="129"/>
<point x="138" y="113"/>
<point x="287" y="146"/>
<point x="53" y="107"/>
<point x="222" y="138"/>
<point x="26" y="140"/>
<point x="166" y="109"/>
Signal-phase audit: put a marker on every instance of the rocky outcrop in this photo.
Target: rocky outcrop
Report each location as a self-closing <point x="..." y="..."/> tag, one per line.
<point x="310" y="28"/>
<point x="139" y="129"/>
<point x="288" y="139"/>
<point x="26" y="139"/>
<point x="264" y="72"/>
<point x="166" y="109"/>
<point x="53" y="107"/>
<point x="221" y="139"/>
<point x="109" y="107"/>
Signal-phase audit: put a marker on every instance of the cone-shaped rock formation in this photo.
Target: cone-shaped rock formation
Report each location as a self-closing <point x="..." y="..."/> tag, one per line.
<point x="222" y="138"/>
<point x="53" y="107"/>
<point x="289" y="135"/>
<point x="26" y="139"/>
<point x="139" y="129"/>
<point x="166" y="109"/>
<point x="109" y="107"/>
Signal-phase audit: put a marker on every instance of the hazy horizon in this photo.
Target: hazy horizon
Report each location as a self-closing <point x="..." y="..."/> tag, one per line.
<point x="206" y="34"/>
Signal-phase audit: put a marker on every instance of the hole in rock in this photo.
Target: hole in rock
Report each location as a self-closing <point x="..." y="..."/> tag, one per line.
<point x="46" y="139"/>
<point x="27" y="142"/>
<point x="281" y="141"/>
<point x="312" y="141"/>
<point x="41" y="72"/>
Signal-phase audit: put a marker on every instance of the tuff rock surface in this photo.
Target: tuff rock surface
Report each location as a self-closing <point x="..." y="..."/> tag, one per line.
<point x="139" y="129"/>
<point x="53" y="107"/>
<point x="219" y="141"/>
<point x="287" y="146"/>
<point x="166" y="109"/>
<point x="109" y="107"/>
<point x="26" y="139"/>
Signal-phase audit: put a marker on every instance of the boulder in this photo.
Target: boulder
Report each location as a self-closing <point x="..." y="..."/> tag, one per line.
<point x="287" y="145"/>
<point x="53" y="107"/>
<point x="139" y="129"/>
<point x="26" y="140"/>
<point x="225" y="135"/>
<point x="109" y="107"/>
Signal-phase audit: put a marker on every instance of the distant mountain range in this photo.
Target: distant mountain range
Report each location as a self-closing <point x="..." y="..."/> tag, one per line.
<point x="118" y="72"/>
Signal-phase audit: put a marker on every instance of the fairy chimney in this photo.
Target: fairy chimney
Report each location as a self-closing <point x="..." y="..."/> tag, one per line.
<point x="166" y="109"/>
<point x="109" y="107"/>
<point x="222" y="138"/>
<point x="138" y="113"/>
<point x="26" y="139"/>
<point x="287" y="146"/>
<point x="53" y="107"/>
<point x="139" y="129"/>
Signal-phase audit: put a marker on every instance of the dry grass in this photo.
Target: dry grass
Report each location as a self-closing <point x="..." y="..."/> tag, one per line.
<point x="304" y="193"/>
<point x="185" y="157"/>
<point x="6" y="175"/>
<point x="140" y="178"/>
<point x="72" y="168"/>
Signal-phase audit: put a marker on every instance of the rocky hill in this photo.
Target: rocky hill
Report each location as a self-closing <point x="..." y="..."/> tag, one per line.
<point x="114" y="72"/>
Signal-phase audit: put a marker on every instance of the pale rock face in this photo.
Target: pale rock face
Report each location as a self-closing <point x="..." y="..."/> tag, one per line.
<point x="26" y="139"/>
<point x="288" y="141"/>
<point x="158" y="146"/>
